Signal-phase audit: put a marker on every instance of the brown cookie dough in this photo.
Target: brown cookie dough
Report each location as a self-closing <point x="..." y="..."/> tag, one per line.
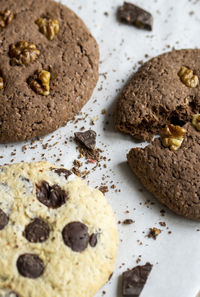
<point x="160" y="92"/>
<point x="47" y="79"/>
<point x="172" y="176"/>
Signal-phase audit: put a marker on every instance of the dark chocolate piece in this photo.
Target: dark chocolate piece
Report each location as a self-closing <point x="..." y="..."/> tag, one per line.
<point x="87" y="138"/>
<point x="37" y="231"/>
<point x="133" y="281"/>
<point x="30" y="265"/>
<point x="128" y="222"/>
<point x="93" y="240"/>
<point x="51" y="196"/>
<point x="134" y="15"/>
<point x="75" y="235"/>
<point x="62" y="172"/>
<point x="3" y="219"/>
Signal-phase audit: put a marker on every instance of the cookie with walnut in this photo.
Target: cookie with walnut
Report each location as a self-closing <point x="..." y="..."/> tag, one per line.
<point x="58" y="236"/>
<point x="164" y="90"/>
<point x="172" y="173"/>
<point x="48" y="67"/>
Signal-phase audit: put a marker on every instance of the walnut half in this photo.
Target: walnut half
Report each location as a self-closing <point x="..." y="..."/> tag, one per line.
<point x="40" y="82"/>
<point x="188" y="77"/>
<point x="1" y="83"/>
<point x="48" y="27"/>
<point x="196" y="121"/>
<point x="23" y="53"/>
<point x="172" y="136"/>
<point x="6" y="17"/>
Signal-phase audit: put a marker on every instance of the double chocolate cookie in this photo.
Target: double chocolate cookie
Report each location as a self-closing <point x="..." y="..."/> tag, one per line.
<point x="172" y="174"/>
<point x="58" y="236"/>
<point x="164" y="90"/>
<point x="48" y="67"/>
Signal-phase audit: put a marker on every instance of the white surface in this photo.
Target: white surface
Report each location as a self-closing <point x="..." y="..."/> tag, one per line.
<point x="176" y="256"/>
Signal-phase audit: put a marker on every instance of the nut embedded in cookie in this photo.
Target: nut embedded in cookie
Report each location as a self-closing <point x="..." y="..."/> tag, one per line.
<point x="23" y="53"/>
<point x="1" y="83"/>
<point x="6" y="17"/>
<point x="172" y="136"/>
<point x="48" y="27"/>
<point x="188" y="77"/>
<point x="196" y="121"/>
<point x="40" y="82"/>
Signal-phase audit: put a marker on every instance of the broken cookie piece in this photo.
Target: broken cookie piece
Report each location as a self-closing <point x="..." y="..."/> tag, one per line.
<point x="134" y="15"/>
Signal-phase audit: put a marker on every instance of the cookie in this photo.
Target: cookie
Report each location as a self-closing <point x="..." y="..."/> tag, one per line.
<point x="58" y="236"/>
<point x="171" y="175"/>
<point x="48" y="67"/>
<point x="164" y="90"/>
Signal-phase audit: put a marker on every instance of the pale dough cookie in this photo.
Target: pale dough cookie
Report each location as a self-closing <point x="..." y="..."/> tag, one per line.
<point x="58" y="236"/>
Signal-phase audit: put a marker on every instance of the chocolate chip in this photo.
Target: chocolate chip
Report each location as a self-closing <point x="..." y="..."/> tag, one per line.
<point x="51" y="196"/>
<point x="93" y="240"/>
<point x="3" y="219"/>
<point x="75" y="235"/>
<point x="133" y="281"/>
<point x="87" y="138"/>
<point x="134" y="15"/>
<point x="37" y="231"/>
<point x="62" y="172"/>
<point x="30" y="265"/>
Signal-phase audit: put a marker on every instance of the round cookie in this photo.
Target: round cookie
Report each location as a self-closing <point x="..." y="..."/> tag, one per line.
<point x="172" y="176"/>
<point x="57" y="43"/>
<point x="157" y="94"/>
<point x="58" y="236"/>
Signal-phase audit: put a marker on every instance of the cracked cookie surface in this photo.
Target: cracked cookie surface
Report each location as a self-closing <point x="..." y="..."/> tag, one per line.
<point x="72" y="59"/>
<point x="68" y="250"/>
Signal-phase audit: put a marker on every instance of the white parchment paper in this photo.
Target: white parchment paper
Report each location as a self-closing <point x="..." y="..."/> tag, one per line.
<point x="175" y="256"/>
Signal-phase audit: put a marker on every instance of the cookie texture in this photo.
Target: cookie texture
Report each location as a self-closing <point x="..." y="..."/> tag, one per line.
<point x="57" y="42"/>
<point x="68" y="250"/>
<point x="157" y="95"/>
<point x="172" y="176"/>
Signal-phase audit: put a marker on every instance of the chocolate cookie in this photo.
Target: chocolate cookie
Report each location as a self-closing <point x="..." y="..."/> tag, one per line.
<point x="48" y="67"/>
<point x="57" y="235"/>
<point x="171" y="175"/>
<point x="164" y="90"/>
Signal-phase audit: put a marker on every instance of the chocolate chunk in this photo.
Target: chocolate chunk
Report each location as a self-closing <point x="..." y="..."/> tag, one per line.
<point x="133" y="281"/>
<point x="75" y="235"/>
<point x="134" y="15"/>
<point x="62" y="172"/>
<point x="128" y="222"/>
<point x="51" y="196"/>
<point x="93" y="240"/>
<point x="30" y="265"/>
<point x="3" y="219"/>
<point x="87" y="138"/>
<point x="37" y="231"/>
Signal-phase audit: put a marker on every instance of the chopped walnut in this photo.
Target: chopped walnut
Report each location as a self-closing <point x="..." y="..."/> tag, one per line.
<point x="48" y="27"/>
<point x="196" y="121"/>
<point x="188" y="77"/>
<point x="6" y="17"/>
<point x="172" y="136"/>
<point x="1" y="83"/>
<point x="40" y="82"/>
<point x="23" y="53"/>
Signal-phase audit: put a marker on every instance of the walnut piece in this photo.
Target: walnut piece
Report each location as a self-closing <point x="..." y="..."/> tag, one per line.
<point x="40" y="82"/>
<point x="196" y="121"/>
<point x="48" y="27"/>
<point x="1" y="83"/>
<point x="23" y="53"/>
<point x="188" y="77"/>
<point x="6" y="17"/>
<point x="172" y="136"/>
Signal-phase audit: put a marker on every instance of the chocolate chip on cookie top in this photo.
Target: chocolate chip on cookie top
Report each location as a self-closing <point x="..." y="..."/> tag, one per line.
<point x="51" y="196"/>
<point x="62" y="172"/>
<point x="3" y="219"/>
<point x="93" y="240"/>
<point x="75" y="235"/>
<point x="30" y="265"/>
<point x="37" y="231"/>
